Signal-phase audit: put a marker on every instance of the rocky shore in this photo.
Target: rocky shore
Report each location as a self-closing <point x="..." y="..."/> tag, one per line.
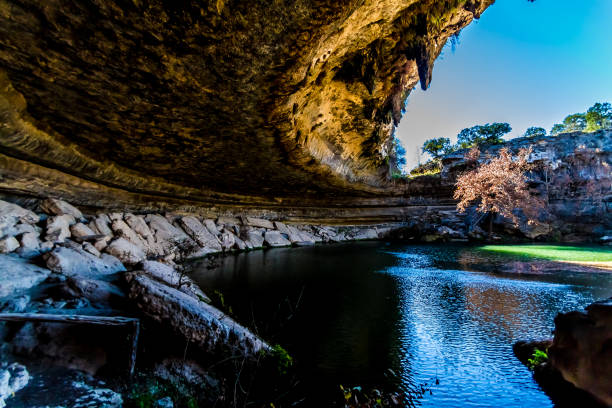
<point x="578" y="359"/>
<point x="55" y="259"/>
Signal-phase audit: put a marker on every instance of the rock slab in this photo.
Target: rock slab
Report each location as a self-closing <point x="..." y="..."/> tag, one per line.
<point x="582" y="349"/>
<point x="197" y="321"/>
<point x="17" y="274"/>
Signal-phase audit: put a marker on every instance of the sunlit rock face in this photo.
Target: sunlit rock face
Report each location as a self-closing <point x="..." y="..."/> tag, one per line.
<point x="275" y="102"/>
<point x="570" y="173"/>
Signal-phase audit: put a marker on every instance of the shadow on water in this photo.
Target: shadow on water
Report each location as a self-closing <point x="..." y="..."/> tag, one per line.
<point x="394" y="316"/>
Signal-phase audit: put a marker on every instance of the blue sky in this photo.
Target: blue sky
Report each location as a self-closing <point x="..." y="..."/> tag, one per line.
<point x="528" y="64"/>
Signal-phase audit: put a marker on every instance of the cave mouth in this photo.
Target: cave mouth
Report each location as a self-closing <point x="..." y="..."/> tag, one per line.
<point x="213" y="103"/>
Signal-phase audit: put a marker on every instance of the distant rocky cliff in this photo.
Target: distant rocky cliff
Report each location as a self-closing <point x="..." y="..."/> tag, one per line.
<point x="571" y="172"/>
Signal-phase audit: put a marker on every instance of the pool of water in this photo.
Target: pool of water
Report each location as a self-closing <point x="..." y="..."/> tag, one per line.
<point x="396" y="316"/>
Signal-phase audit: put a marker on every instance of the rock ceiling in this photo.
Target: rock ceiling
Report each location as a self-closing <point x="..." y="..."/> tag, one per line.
<point x="217" y="101"/>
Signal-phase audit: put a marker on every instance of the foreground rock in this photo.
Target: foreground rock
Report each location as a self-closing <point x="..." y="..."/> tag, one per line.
<point x="197" y="321"/>
<point x="582" y="349"/>
<point x="577" y="369"/>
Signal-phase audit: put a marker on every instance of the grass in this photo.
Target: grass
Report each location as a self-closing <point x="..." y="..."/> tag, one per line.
<point x="587" y="255"/>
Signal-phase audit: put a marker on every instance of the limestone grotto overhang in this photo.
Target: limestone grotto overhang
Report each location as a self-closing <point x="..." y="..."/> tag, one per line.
<point x="164" y="102"/>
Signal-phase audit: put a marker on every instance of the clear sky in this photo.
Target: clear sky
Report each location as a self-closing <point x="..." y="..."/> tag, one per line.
<point x="528" y="64"/>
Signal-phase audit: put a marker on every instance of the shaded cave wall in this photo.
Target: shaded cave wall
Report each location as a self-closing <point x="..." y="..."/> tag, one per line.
<point x="178" y="105"/>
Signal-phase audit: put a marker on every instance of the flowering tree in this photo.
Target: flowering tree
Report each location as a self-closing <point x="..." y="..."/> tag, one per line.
<point x="499" y="186"/>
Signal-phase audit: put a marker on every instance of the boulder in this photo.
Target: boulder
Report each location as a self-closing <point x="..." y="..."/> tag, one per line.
<point x="581" y="350"/>
<point x="253" y="238"/>
<point x="102" y="243"/>
<point x="198" y="322"/>
<point x="535" y="230"/>
<point x="364" y="234"/>
<point x="13" y="377"/>
<point x="123" y="230"/>
<point x="89" y="247"/>
<point x="7" y="225"/>
<point x="13" y="228"/>
<point x="307" y="234"/>
<point x="102" y="224"/>
<point x="449" y="233"/>
<point x="58" y="227"/>
<point x="200" y="233"/>
<point x="166" y="235"/>
<point x="227" y="221"/>
<point x="80" y="230"/>
<point x="13" y="211"/>
<point x="300" y="237"/>
<point x="197" y="252"/>
<point x="8" y="245"/>
<point x="476" y="233"/>
<point x="275" y="239"/>
<point x="211" y="227"/>
<point x="46" y="246"/>
<point x="168" y="275"/>
<point x="29" y="245"/>
<point x="258" y="223"/>
<point x="115" y="217"/>
<point x="327" y="233"/>
<point x="53" y="206"/>
<point x="16" y="274"/>
<point x="282" y="228"/>
<point x="77" y="262"/>
<point x="94" y="290"/>
<point x="228" y="240"/>
<point x="239" y="244"/>
<point x="139" y="225"/>
<point x="125" y="251"/>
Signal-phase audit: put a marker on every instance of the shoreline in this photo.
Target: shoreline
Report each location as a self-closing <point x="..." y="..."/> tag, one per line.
<point x="606" y="265"/>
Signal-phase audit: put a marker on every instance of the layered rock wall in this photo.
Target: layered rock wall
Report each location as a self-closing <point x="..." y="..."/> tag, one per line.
<point x="572" y="174"/>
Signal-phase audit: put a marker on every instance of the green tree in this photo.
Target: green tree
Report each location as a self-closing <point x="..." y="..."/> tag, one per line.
<point x="535" y="131"/>
<point x="400" y="152"/>
<point x="599" y="116"/>
<point x="480" y="135"/>
<point x="575" y="122"/>
<point x="557" y="129"/>
<point x="437" y="147"/>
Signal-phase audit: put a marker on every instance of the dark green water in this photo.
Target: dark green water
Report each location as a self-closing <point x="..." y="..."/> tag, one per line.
<point x="403" y="316"/>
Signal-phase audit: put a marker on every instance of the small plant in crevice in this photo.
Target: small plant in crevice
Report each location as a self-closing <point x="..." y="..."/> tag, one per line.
<point x="537" y="359"/>
<point x="373" y="398"/>
<point x="283" y="360"/>
<point x="218" y="300"/>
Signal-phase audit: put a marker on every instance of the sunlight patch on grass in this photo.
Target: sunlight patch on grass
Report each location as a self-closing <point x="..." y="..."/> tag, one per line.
<point x="560" y="253"/>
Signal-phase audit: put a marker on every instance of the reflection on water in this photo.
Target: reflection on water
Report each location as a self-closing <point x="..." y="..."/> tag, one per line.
<point x="375" y="314"/>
